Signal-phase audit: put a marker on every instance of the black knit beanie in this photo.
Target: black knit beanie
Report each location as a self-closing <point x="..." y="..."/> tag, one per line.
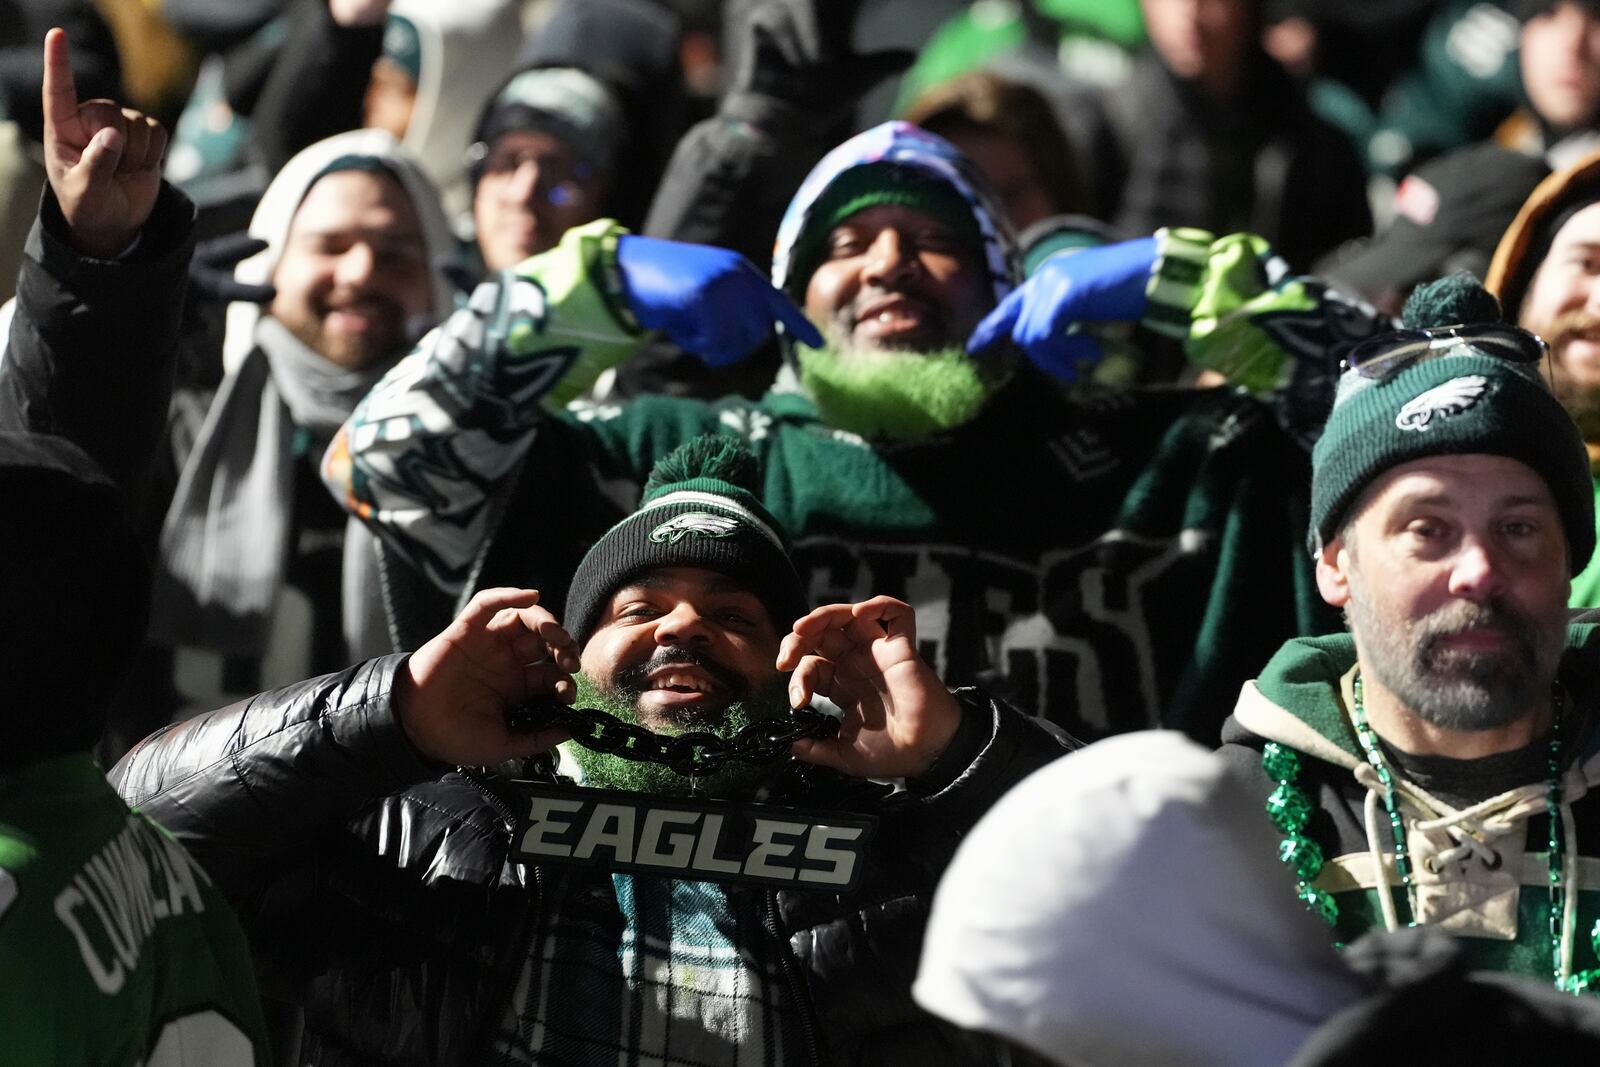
<point x="700" y="509"/>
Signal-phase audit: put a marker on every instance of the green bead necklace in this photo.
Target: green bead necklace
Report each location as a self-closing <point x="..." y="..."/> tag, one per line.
<point x="1290" y="809"/>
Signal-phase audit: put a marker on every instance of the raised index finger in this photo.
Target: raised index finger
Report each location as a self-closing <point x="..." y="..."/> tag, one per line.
<point x="60" y="91"/>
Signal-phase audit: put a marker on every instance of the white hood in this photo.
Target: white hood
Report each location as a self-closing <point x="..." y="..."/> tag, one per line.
<point x="1124" y="907"/>
<point x="468" y="48"/>
<point x="282" y="199"/>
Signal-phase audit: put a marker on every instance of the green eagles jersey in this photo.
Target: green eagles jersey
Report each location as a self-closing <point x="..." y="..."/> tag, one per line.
<point x="114" y="946"/>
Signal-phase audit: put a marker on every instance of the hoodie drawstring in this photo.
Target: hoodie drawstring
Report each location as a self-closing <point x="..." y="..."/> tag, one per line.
<point x="1472" y="828"/>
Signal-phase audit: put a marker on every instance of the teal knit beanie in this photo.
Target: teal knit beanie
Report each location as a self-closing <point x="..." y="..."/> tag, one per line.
<point x="1455" y="404"/>
<point x="870" y="185"/>
<point x="700" y="509"/>
<point x="402" y="45"/>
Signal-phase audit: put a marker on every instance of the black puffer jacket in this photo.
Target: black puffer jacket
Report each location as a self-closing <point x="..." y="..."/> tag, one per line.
<point x="377" y="893"/>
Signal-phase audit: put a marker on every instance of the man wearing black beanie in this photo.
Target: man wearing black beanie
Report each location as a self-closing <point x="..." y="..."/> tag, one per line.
<point x="365" y="823"/>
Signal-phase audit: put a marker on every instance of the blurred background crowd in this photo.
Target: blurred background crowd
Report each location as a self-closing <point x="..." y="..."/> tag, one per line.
<point x="1300" y="120"/>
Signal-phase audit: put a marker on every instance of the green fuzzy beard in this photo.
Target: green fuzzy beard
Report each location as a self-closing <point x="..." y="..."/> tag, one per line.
<point x="607" y="771"/>
<point x="886" y="395"/>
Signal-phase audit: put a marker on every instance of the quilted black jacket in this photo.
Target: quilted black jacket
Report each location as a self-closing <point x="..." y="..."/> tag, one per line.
<point x="378" y="896"/>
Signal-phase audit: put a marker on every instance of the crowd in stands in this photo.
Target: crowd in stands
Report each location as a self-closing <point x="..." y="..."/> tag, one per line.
<point x="735" y="533"/>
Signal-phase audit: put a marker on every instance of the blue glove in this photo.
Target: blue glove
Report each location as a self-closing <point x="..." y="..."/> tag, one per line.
<point x="1105" y="284"/>
<point x="711" y="302"/>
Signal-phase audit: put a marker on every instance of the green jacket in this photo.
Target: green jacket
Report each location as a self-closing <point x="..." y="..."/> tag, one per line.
<point x="1500" y="913"/>
<point x="115" y="948"/>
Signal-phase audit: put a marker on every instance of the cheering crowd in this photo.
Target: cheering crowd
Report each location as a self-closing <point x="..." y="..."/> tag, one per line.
<point x="744" y="533"/>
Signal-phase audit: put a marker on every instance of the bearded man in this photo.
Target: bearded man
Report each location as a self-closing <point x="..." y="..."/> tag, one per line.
<point x="1111" y="560"/>
<point x="392" y="898"/>
<point x="1436" y="765"/>
<point x="1546" y="272"/>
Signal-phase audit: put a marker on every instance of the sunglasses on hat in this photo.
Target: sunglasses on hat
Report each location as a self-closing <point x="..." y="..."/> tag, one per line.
<point x="1381" y="358"/>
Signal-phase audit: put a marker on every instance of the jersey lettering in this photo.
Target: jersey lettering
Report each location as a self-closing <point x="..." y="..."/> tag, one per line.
<point x="1069" y="634"/>
<point x="111" y="905"/>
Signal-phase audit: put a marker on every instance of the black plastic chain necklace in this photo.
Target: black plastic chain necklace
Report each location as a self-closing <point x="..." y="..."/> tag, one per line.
<point x="693" y="754"/>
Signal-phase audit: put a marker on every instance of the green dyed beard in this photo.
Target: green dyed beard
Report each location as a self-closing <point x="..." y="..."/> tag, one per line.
<point x="604" y="770"/>
<point x="888" y="395"/>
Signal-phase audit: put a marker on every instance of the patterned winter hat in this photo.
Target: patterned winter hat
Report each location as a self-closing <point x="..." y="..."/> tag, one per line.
<point x="868" y="186"/>
<point x="903" y="148"/>
<point x="700" y="509"/>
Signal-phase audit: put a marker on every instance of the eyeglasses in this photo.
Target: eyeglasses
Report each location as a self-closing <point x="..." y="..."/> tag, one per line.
<point x="1381" y="358"/>
<point x="560" y="181"/>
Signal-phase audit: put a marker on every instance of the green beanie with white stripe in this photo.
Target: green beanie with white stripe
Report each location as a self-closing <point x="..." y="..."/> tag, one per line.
<point x="700" y="509"/>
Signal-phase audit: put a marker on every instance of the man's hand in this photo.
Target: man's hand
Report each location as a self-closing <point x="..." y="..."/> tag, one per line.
<point x="710" y="302"/>
<point x="898" y="716"/>
<point x="502" y="650"/>
<point x="1106" y="284"/>
<point x="103" y="161"/>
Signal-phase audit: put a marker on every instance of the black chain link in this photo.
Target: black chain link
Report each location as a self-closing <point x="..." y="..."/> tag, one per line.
<point x="692" y="754"/>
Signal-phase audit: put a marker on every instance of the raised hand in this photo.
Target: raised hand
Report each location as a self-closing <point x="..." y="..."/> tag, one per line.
<point x="1106" y="284"/>
<point x="710" y="302"/>
<point x="103" y="161"/>
<point x="898" y="716"/>
<point x="501" y="651"/>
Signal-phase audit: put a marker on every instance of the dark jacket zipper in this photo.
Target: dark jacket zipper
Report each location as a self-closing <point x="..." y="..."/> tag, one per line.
<point x="798" y="993"/>
<point x="505" y="969"/>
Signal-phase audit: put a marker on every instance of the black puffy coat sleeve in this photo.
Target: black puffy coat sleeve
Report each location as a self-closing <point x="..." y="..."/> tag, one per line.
<point x="732" y="176"/>
<point x="859" y="951"/>
<point x="996" y="747"/>
<point x="94" y="343"/>
<point x="247" y="788"/>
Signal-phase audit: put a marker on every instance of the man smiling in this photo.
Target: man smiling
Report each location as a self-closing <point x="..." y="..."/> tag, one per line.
<point x="1109" y="561"/>
<point x="393" y="899"/>
<point x="1438" y="763"/>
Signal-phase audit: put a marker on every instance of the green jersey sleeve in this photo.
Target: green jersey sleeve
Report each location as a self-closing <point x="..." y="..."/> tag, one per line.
<point x="115" y="948"/>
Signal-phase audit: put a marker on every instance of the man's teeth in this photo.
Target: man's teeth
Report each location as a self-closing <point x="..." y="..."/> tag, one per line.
<point x="677" y="681"/>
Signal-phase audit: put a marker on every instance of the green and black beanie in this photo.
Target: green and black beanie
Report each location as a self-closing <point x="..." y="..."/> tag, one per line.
<point x="1462" y="402"/>
<point x="870" y="185"/>
<point x="700" y="509"/>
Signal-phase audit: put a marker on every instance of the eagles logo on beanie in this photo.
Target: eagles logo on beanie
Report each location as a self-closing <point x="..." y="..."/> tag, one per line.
<point x="700" y="509"/>
<point x="1463" y="402"/>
